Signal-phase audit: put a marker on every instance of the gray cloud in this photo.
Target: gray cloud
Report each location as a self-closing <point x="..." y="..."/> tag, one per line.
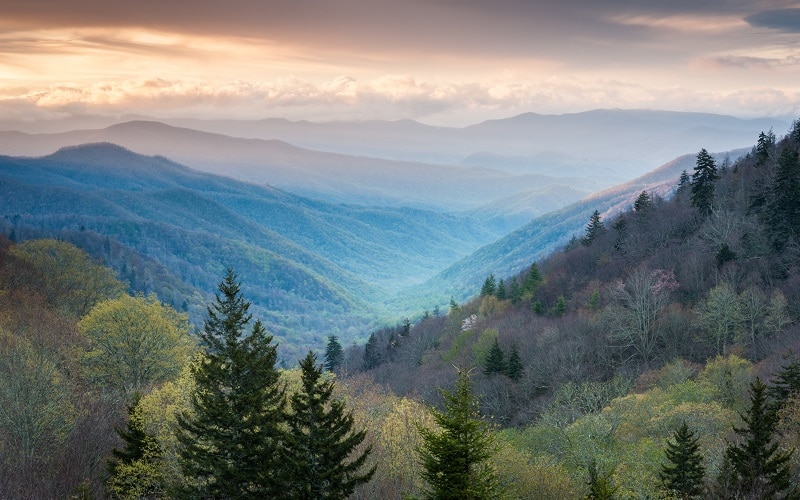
<point x="785" y="20"/>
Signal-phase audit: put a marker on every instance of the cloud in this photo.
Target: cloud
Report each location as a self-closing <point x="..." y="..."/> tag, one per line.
<point x="785" y="20"/>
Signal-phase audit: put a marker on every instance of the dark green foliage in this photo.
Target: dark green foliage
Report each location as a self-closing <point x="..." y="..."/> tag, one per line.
<point x="489" y="286"/>
<point x="794" y="133"/>
<point x="230" y="441"/>
<point x="514" y="367"/>
<point x="594" y="229"/>
<point x="533" y="280"/>
<point x="601" y="485"/>
<point x="684" y="183"/>
<point x="501" y="290"/>
<point x="454" y="307"/>
<point x="756" y="469"/>
<point x="321" y="441"/>
<point x="135" y="440"/>
<point x="782" y="210"/>
<point x="785" y="382"/>
<point x="455" y="459"/>
<point x="514" y="291"/>
<point x="724" y="255"/>
<point x="406" y="328"/>
<point x="762" y="149"/>
<point x="495" y="360"/>
<point x="684" y="472"/>
<point x="537" y="307"/>
<point x="561" y="306"/>
<point x="373" y="355"/>
<point x="333" y="354"/>
<point x="703" y="180"/>
<point x="643" y="203"/>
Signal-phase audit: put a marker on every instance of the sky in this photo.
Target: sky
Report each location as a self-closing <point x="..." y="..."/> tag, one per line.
<point x="441" y="62"/>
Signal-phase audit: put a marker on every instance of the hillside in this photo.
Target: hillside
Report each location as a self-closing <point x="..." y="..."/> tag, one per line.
<point x="311" y="267"/>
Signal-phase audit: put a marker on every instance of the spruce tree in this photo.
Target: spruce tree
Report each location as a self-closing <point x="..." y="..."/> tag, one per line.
<point x="703" y="180"/>
<point x="495" y="360"/>
<point x="514" y="367"/>
<point x="684" y="472"/>
<point x="757" y="469"/>
<point x="684" y="183"/>
<point x="455" y="458"/>
<point x="373" y="356"/>
<point x="785" y="382"/>
<point x="321" y="445"/>
<point x="643" y="203"/>
<point x="762" y="148"/>
<point x="231" y="438"/>
<point x="134" y="438"/>
<point x="594" y="229"/>
<point x="782" y="210"/>
<point x="489" y="286"/>
<point x="533" y="280"/>
<point x="515" y="291"/>
<point x="501" y="290"/>
<point x="601" y="485"/>
<point x="333" y="354"/>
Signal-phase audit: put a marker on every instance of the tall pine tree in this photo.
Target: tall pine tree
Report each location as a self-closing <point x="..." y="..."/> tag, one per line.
<point x="495" y="360"/>
<point x="782" y="211"/>
<point x="703" y="180"/>
<point x="683" y="474"/>
<point x="757" y="469"/>
<point x="333" y="354"/>
<point x="322" y="441"/>
<point x="594" y="229"/>
<point x="455" y="458"/>
<point x="231" y="439"/>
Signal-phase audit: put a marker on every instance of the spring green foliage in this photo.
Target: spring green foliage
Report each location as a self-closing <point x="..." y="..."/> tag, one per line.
<point x="683" y="472"/>
<point x="456" y="458"/>
<point x="322" y="441"/>
<point x="231" y="439"/>
<point x="135" y="342"/>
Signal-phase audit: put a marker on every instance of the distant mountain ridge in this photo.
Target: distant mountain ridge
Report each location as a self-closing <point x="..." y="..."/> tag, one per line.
<point x="310" y="266"/>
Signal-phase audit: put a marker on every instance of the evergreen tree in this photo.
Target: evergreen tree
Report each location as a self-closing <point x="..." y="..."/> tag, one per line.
<point x="757" y="470"/>
<point x="406" y="328"/>
<point x="454" y="307"/>
<point x="683" y="475"/>
<point x="561" y="306"/>
<point x="782" y="211"/>
<point x="794" y="133"/>
<point x="495" y="360"/>
<point x="514" y="367"/>
<point x="489" y="286"/>
<point x="594" y="229"/>
<point x="763" y="146"/>
<point x="703" y="179"/>
<point x="321" y="441"/>
<point x="231" y="438"/>
<point x="372" y="352"/>
<point x="643" y="202"/>
<point x="601" y="486"/>
<point x="514" y="291"/>
<point x="501" y="290"/>
<point x="455" y="459"/>
<point x="533" y="280"/>
<point x="333" y="354"/>
<point x="134" y="438"/>
<point x="785" y="382"/>
<point x="684" y="183"/>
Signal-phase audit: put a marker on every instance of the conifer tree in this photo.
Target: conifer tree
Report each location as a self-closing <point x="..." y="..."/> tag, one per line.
<point x="785" y="382"/>
<point x="514" y="367"/>
<point x="454" y="307"/>
<point x="601" y="485"/>
<point x="782" y="211"/>
<point x="684" y="472"/>
<point x="495" y="360"/>
<point x="489" y="286"/>
<point x="322" y="441"/>
<point x="501" y="290"/>
<point x="684" y="183"/>
<point x="643" y="202"/>
<point x="455" y="458"/>
<point x="333" y="354"/>
<point x="594" y="229"/>
<point x="763" y="146"/>
<point x="134" y="438"/>
<point x="372" y="352"/>
<point x="514" y="290"/>
<point x="533" y="280"/>
<point x="756" y="469"/>
<point x="232" y="435"/>
<point x="703" y="180"/>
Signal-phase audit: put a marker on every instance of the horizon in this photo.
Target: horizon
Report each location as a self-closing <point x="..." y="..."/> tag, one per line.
<point x="440" y="63"/>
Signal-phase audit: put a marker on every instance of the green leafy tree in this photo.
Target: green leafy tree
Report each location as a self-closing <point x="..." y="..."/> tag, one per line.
<point x="757" y="469"/>
<point x="231" y="439"/>
<point x="703" y="180"/>
<point x="322" y="441"/>
<point x="683" y="474"/>
<point x="594" y="229"/>
<point x="495" y="360"/>
<point x="514" y="367"/>
<point x="135" y="342"/>
<point x="456" y="456"/>
<point x="333" y="354"/>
